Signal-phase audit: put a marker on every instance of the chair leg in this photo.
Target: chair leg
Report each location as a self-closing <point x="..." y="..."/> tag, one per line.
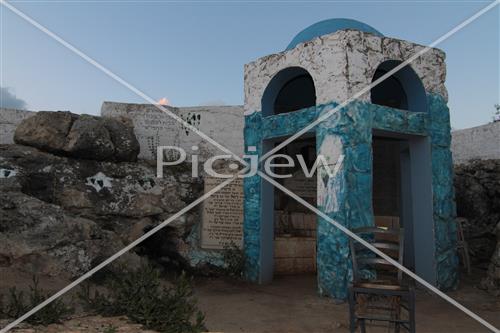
<point x="467" y="258"/>
<point x="352" y="311"/>
<point x="396" y="308"/>
<point x="411" y="314"/>
<point x="397" y="326"/>
<point x="363" y="325"/>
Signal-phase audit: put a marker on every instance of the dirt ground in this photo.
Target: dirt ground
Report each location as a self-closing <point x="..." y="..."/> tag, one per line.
<point x="290" y="304"/>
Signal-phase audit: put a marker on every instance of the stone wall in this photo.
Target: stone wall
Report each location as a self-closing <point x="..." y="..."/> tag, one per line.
<point x="9" y="119"/>
<point x="477" y="187"/>
<point x="481" y="142"/>
<point x="154" y="128"/>
<point x="491" y="282"/>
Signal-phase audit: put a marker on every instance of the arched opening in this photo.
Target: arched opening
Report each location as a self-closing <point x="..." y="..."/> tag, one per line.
<point x="290" y="90"/>
<point x="402" y="90"/>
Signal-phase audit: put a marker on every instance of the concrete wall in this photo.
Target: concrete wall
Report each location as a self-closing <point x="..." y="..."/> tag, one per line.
<point x="9" y="119"/>
<point x="155" y="128"/>
<point x="481" y="142"/>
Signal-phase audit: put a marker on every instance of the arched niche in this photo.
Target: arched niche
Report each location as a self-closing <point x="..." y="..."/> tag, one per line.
<point x="402" y="90"/>
<point x="291" y="89"/>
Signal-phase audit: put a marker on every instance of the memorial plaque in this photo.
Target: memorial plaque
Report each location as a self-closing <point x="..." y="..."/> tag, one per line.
<point x="222" y="218"/>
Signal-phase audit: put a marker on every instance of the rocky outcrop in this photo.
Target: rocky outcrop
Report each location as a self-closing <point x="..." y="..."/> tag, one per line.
<point x="477" y="190"/>
<point x="492" y="280"/>
<point x="41" y="238"/>
<point x="86" y="137"/>
<point x="477" y="187"/>
<point x="62" y="216"/>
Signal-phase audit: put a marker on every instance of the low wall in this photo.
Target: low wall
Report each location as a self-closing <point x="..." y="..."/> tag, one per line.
<point x="154" y="128"/>
<point x="225" y="125"/>
<point x="9" y="119"/>
<point x="481" y="142"/>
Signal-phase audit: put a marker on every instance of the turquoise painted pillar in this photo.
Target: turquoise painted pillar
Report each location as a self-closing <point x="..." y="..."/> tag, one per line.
<point x="345" y="197"/>
<point x="443" y="193"/>
<point x="252" y="203"/>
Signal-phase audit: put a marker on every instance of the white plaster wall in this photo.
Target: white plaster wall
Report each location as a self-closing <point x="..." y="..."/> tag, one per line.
<point x="342" y="64"/>
<point x="365" y="52"/>
<point x="154" y="128"/>
<point x="481" y="142"/>
<point x="9" y="119"/>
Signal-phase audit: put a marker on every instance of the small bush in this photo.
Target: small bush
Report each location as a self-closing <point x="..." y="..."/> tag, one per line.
<point x="234" y="258"/>
<point x="139" y="295"/>
<point x="16" y="305"/>
<point x="110" y="329"/>
<point x="95" y="301"/>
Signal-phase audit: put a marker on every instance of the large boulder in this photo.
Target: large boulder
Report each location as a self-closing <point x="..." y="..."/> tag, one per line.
<point x="85" y="137"/>
<point x="121" y="132"/>
<point x="88" y="138"/>
<point x="46" y="130"/>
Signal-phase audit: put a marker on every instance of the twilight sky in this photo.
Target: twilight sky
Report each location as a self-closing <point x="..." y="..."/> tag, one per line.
<point x="193" y="52"/>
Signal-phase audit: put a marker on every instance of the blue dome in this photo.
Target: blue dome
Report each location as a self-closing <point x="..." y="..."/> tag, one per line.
<point x="327" y="27"/>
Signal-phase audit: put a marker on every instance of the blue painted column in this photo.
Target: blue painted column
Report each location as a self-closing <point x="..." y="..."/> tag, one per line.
<point x="252" y="203"/>
<point x="346" y="197"/>
<point x="443" y="193"/>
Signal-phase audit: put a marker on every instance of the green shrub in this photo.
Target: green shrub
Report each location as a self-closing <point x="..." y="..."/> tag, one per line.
<point x="138" y="294"/>
<point x="234" y="259"/>
<point x="95" y="301"/>
<point x="16" y="305"/>
<point x="110" y="329"/>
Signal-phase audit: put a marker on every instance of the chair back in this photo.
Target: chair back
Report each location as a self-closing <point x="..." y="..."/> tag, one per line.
<point x="460" y="230"/>
<point x="366" y="265"/>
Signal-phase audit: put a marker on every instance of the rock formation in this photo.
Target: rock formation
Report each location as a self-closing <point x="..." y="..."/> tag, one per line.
<point x="67" y="204"/>
<point x="477" y="187"/>
<point x="477" y="190"/>
<point x="492" y="280"/>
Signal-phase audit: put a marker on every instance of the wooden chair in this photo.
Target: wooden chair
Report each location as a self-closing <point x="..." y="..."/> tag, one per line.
<point x="376" y="278"/>
<point x="462" y="246"/>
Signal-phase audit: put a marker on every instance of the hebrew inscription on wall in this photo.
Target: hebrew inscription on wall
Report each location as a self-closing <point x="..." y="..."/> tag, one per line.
<point x="222" y="218"/>
<point x="155" y="128"/>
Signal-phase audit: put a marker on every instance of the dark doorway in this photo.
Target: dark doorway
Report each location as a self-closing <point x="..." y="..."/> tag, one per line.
<point x="402" y="196"/>
<point x="288" y="228"/>
<point x="294" y="224"/>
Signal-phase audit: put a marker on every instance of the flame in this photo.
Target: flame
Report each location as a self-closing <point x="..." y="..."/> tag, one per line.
<point x="163" y="101"/>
